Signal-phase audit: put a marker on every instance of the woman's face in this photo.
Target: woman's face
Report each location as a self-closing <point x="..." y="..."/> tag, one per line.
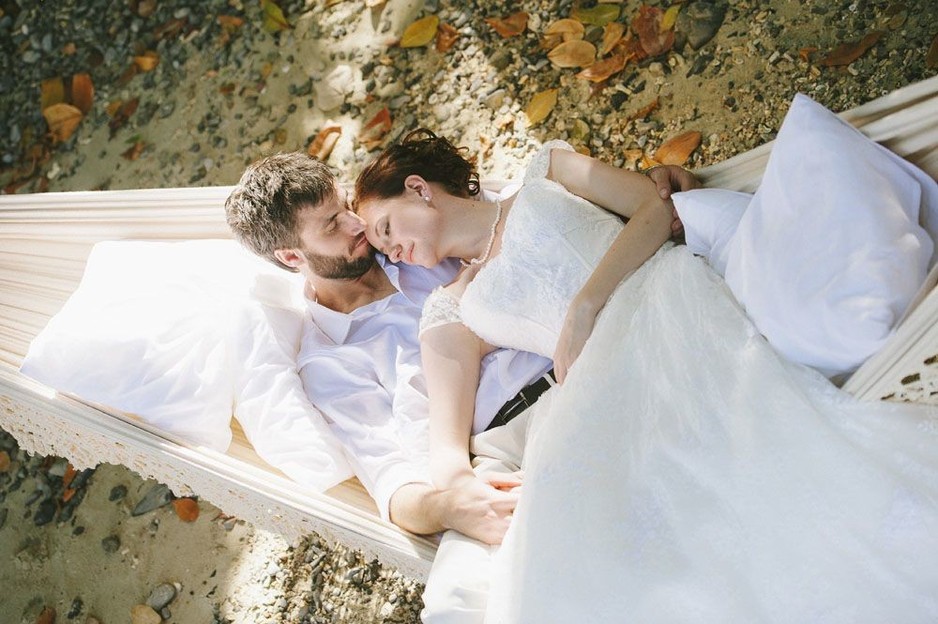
<point x="404" y="228"/>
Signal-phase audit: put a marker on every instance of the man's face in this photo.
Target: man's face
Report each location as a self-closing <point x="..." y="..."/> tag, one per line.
<point x="332" y="239"/>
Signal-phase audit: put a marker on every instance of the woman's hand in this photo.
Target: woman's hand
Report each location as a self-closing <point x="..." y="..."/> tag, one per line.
<point x="577" y="327"/>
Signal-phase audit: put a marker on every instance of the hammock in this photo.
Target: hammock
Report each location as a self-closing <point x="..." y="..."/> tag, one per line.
<point x="45" y="240"/>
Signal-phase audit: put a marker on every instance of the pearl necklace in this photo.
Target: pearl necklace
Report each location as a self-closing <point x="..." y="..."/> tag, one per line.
<point x="488" y="248"/>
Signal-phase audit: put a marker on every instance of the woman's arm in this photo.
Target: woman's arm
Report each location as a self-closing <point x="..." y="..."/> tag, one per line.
<point x="629" y="194"/>
<point x="452" y="356"/>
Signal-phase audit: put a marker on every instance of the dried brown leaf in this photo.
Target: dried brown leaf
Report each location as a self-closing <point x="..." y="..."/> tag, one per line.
<point x="69" y="475"/>
<point x="805" y="53"/>
<point x="187" y="509"/>
<point x="577" y="53"/>
<point x="931" y="59"/>
<point x="602" y="70"/>
<point x="82" y="92"/>
<point x="846" y="53"/>
<point x="644" y="111"/>
<point x="63" y="120"/>
<point x="121" y="113"/>
<point x="69" y="48"/>
<point x="51" y="91"/>
<point x="147" y="61"/>
<point x="509" y="26"/>
<point x="676" y="151"/>
<point x="372" y="135"/>
<point x="134" y="151"/>
<point x="612" y="33"/>
<point x="4" y="461"/>
<point x="647" y="25"/>
<point x="421" y="32"/>
<point x="230" y="23"/>
<point x="321" y="146"/>
<point x="170" y="28"/>
<point x="549" y="42"/>
<point x="446" y="37"/>
<point x="567" y="28"/>
<point x="541" y="106"/>
<point x="47" y="616"/>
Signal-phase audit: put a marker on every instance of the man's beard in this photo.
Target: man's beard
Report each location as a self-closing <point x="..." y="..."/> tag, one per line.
<point x="338" y="267"/>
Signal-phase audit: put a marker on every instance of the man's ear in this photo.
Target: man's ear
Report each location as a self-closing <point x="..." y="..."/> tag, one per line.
<point x="290" y="257"/>
<point x="418" y="185"/>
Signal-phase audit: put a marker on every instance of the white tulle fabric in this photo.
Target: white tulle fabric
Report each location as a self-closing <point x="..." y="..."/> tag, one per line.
<point x="684" y="472"/>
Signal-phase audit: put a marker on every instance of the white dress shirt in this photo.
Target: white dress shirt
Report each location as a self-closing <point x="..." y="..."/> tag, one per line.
<point x="362" y="370"/>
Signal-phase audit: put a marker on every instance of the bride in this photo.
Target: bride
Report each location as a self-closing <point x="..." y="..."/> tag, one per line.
<point x="683" y="471"/>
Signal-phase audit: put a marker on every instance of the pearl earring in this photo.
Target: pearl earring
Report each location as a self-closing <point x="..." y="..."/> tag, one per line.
<point x="426" y="198"/>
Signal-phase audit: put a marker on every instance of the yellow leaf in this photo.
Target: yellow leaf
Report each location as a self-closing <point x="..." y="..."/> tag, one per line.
<point x="612" y="33"/>
<point x="509" y="26"/>
<point x="599" y="15"/>
<point x="676" y="151"/>
<point x="541" y="106"/>
<point x="577" y="53"/>
<point x="148" y="61"/>
<point x="670" y="17"/>
<point x="421" y="32"/>
<point x="63" y="119"/>
<point x="274" y="21"/>
<point x="51" y="91"/>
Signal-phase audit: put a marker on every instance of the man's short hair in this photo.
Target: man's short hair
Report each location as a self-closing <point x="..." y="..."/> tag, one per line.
<point x="262" y="209"/>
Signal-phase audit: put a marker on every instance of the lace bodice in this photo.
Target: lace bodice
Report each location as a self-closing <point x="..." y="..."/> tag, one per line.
<point x="551" y="243"/>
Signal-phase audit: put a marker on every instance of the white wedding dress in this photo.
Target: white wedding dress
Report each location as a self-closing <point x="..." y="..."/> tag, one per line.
<point x="685" y="472"/>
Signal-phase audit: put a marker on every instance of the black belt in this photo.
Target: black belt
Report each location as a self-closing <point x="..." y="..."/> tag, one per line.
<point x="524" y="399"/>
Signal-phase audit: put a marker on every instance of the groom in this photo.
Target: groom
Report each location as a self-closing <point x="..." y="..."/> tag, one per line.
<point x="360" y="357"/>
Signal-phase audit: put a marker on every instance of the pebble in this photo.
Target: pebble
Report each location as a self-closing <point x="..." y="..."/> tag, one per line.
<point x="161" y="596"/>
<point x="3" y="516"/>
<point x="117" y="493"/>
<point x="75" y="608"/>
<point x="156" y="497"/>
<point x="143" y="614"/>
<point x="700" y="21"/>
<point x="111" y="544"/>
<point x="46" y="512"/>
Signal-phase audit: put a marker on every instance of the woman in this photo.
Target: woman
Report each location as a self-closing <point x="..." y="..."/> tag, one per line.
<point x="683" y="469"/>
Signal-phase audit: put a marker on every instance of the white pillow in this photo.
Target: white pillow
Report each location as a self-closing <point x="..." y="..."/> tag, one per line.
<point x="710" y="218"/>
<point x="830" y="252"/>
<point x="181" y="333"/>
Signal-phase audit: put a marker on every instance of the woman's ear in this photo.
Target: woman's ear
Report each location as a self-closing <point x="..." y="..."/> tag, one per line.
<point x="418" y="185"/>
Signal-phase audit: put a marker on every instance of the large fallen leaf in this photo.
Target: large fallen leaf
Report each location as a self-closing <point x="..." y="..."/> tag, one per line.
<point x="676" y="151"/>
<point x="147" y="61"/>
<point x="509" y="26"/>
<point x="446" y="36"/>
<point x="187" y="509"/>
<point x="599" y="15"/>
<point x="647" y="25"/>
<point x="612" y="34"/>
<point x="274" y="21"/>
<point x="51" y="91"/>
<point x="421" y="32"/>
<point x="541" y="106"/>
<point x="931" y="59"/>
<point x="847" y="53"/>
<point x="321" y="146"/>
<point x="602" y="70"/>
<point x="63" y="119"/>
<point x="374" y="131"/>
<point x="82" y="92"/>
<point x="576" y="53"/>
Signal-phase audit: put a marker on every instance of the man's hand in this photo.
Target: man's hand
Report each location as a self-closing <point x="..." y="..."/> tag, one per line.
<point x="481" y="510"/>
<point x="669" y="178"/>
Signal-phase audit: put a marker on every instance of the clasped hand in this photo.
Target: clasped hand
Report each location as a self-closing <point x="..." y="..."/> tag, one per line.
<point x="483" y="506"/>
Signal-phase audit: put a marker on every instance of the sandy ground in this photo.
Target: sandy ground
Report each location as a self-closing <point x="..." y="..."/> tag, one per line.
<point x="269" y="95"/>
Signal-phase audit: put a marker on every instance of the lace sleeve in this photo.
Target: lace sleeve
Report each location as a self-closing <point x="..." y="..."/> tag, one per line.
<point x="440" y="308"/>
<point x="540" y="164"/>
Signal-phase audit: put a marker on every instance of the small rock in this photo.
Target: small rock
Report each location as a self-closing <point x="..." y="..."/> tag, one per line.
<point x="3" y="516"/>
<point x="165" y="613"/>
<point x="142" y="614"/>
<point x="111" y="544"/>
<point x="155" y="498"/>
<point x="161" y="596"/>
<point x="118" y="492"/>
<point x="75" y="609"/>
<point x="45" y="513"/>
<point x="700" y="21"/>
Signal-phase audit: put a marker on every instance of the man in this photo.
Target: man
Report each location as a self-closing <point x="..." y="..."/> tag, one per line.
<point x="360" y="359"/>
